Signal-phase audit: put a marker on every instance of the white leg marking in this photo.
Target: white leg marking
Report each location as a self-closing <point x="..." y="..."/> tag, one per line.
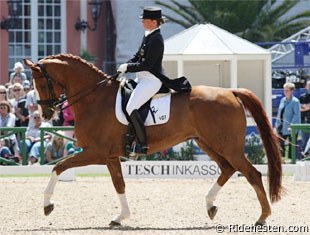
<point x="125" y="212"/>
<point x="212" y="194"/>
<point x="48" y="193"/>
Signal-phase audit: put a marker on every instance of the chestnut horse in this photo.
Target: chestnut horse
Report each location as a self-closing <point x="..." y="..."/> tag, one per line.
<point x="214" y="117"/>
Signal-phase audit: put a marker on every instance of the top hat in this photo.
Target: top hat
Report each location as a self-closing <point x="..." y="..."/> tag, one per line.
<point x="152" y="13"/>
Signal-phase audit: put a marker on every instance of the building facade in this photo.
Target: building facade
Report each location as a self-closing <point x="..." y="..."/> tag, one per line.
<point x="47" y="27"/>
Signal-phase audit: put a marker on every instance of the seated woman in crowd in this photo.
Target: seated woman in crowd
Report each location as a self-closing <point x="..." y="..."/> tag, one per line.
<point x="55" y="148"/>
<point x="33" y="137"/>
<point x="18" y="103"/>
<point x="3" y="93"/>
<point x="5" y="151"/>
<point x="7" y="119"/>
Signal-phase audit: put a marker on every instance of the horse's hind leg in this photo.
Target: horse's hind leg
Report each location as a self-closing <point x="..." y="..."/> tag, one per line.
<point x="227" y="171"/>
<point x="254" y="177"/>
<point x="210" y="197"/>
<point x="80" y="159"/>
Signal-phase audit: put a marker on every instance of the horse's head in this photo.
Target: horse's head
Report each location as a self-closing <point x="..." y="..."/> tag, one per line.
<point x="48" y="88"/>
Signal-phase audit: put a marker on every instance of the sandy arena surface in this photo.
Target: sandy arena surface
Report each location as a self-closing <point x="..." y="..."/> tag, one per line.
<point x="86" y="206"/>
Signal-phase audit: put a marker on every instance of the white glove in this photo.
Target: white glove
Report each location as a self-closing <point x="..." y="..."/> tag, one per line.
<point x="122" y="68"/>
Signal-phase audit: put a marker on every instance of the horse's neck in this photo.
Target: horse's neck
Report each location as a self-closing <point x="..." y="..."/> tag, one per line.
<point x="90" y="94"/>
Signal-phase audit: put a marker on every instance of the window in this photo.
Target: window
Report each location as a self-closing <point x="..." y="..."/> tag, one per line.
<point x="20" y="37"/>
<point x="49" y="27"/>
<point x="38" y="31"/>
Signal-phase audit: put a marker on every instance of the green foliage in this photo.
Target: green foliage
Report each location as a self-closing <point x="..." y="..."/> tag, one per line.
<point x="269" y="26"/>
<point x="255" y="21"/>
<point x="186" y="154"/>
<point x="234" y="15"/>
<point x="87" y="56"/>
<point x="254" y="149"/>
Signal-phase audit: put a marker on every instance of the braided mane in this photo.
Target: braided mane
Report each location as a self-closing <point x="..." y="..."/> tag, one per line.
<point x="76" y="58"/>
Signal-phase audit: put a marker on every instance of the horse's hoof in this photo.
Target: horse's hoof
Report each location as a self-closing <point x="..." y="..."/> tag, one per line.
<point x="114" y="224"/>
<point x="48" y="209"/>
<point x="212" y="212"/>
<point x="260" y="223"/>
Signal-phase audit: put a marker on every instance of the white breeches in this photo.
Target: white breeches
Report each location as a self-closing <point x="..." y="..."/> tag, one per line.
<point x="146" y="88"/>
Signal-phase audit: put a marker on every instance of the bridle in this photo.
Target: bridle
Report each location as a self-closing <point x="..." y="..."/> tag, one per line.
<point x="55" y="103"/>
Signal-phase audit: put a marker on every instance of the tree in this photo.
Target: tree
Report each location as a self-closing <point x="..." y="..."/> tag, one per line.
<point x="271" y="26"/>
<point x="254" y="20"/>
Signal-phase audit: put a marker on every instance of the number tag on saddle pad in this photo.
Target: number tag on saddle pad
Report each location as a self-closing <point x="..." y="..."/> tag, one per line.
<point x="159" y="110"/>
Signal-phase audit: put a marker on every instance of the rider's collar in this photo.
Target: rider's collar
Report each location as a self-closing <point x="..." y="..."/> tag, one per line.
<point x="147" y="32"/>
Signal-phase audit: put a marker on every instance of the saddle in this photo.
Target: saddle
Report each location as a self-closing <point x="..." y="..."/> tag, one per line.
<point x="126" y="89"/>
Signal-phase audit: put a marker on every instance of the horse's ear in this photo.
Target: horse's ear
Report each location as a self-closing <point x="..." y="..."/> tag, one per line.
<point x="28" y="62"/>
<point x="31" y="65"/>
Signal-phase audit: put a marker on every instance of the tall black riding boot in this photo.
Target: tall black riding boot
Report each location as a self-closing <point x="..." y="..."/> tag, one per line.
<point x="129" y="139"/>
<point x="137" y="122"/>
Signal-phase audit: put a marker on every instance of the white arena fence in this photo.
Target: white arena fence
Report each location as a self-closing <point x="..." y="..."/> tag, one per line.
<point x="155" y="170"/>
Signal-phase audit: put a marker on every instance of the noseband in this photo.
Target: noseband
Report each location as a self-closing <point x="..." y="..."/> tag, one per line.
<point x="53" y="102"/>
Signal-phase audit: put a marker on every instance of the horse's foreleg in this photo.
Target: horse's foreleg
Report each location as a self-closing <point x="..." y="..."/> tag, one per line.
<point x="48" y="204"/>
<point x="115" y="169"/>
<point x="79" y="159"/>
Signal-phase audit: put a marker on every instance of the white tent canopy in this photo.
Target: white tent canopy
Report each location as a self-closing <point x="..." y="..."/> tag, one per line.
<point x="209" y="55"/>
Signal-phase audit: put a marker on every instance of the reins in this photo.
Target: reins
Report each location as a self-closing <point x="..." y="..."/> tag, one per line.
<point x="53" y="102"/>
<point x="88" y="91"/>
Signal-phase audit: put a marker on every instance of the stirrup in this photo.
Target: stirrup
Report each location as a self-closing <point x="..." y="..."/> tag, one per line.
<point x="138" y="149"/>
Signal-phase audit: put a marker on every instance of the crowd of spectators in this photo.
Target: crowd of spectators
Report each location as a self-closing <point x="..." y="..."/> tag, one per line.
<point x="19" y="108"/>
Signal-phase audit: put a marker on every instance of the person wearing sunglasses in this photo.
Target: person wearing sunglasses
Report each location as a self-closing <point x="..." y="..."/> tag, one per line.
<point x="19" y="101"/>
<point x="33" y="142"/>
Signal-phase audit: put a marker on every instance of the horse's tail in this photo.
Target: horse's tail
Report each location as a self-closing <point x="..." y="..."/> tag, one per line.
<point x="270" y="141"/>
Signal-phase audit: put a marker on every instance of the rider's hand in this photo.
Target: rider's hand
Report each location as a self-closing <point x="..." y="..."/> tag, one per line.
<point x="122" y="68"/>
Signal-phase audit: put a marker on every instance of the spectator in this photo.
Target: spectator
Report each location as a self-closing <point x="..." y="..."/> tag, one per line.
<point x="288" y="113"/>
<point x="68" y="115"/>
<point x="19" y="102"/>
<point x="17" y="79"/>
<point x="57" y="117"/>
<point x="305" y="113"/>
<point x="5" y="151"/>
<point x="18" y="70"/>
<point x="3" y="93"/>
<point x="31" y="104"/>
<point x="55" y="148"/>
<point x="10" y="92"/>
<point x="71" y="148"/>
<point x="7" y="119"/>
<point x="27" y="86"/>
<point x="33" y="142"/>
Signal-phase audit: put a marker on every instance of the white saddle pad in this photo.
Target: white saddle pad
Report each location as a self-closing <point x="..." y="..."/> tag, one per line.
<point x="160" y="106"/>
